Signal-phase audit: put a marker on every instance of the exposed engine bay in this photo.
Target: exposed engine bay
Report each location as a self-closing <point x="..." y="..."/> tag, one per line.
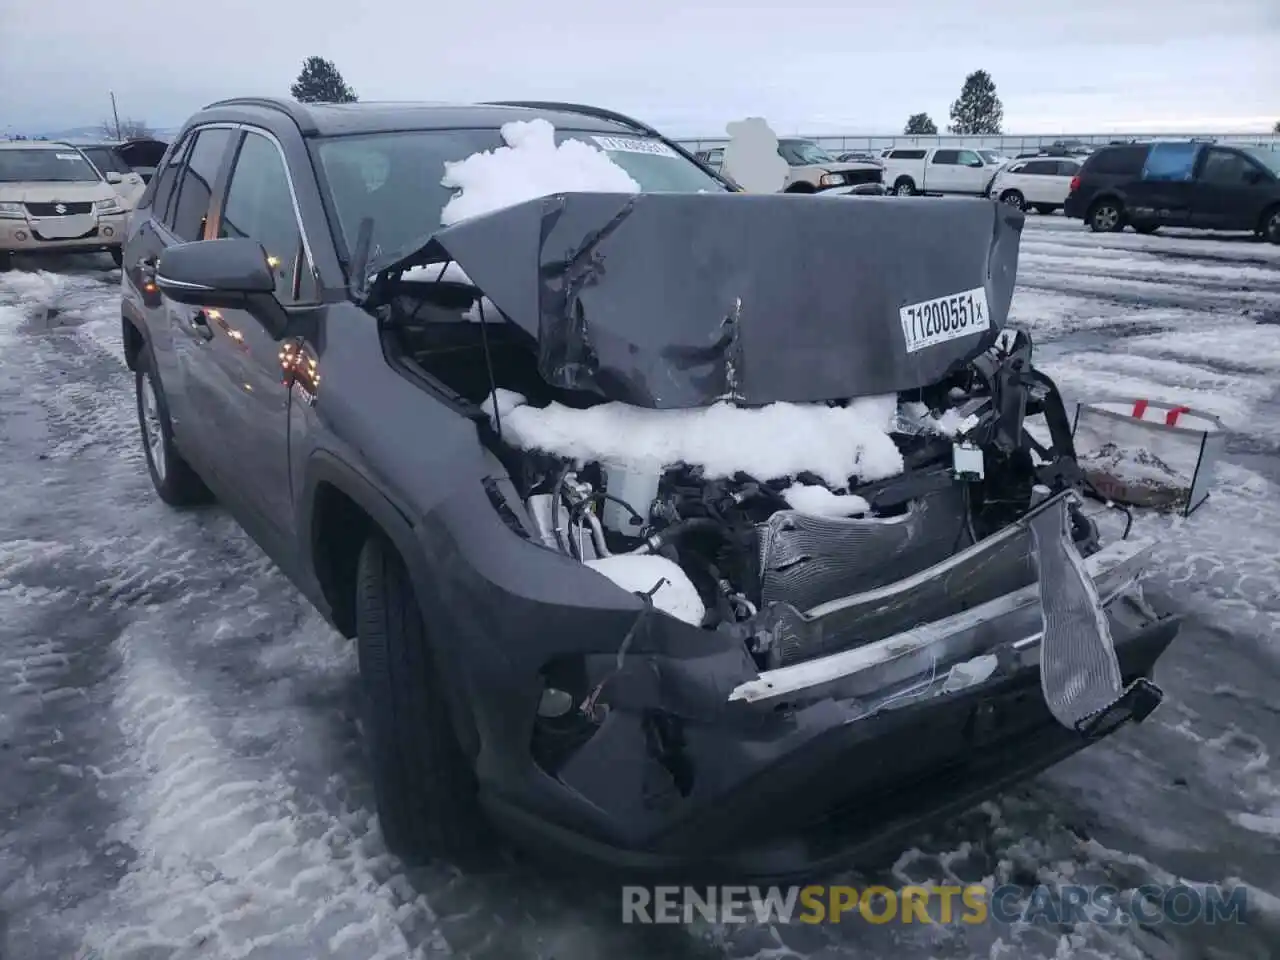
<point x="722" y="552"/>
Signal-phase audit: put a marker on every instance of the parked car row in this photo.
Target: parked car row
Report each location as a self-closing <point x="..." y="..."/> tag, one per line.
<point x="811" y="169"/>
<point x="70" y="197"/>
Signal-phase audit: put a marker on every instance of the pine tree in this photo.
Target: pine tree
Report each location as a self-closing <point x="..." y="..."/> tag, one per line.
<point x="920" y="125"/>
<point x="320" y="82"/>
<point x="977" y="111"/>
<point x="1276" y="128"/>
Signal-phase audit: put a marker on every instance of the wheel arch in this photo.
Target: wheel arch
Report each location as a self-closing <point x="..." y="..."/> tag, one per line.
<point x="133" y="334"/>
<point x="340" y="509"/>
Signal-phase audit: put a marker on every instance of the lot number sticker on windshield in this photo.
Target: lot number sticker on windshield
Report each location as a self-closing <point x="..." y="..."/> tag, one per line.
<point x="947" y="318"/>
<point x="632" y="145"/>
<point x="67" y="156"/>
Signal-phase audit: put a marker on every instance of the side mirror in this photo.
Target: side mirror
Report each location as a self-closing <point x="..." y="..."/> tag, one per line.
<point x="114" y="177"/>
<point x="974" y="163"/>
<point x="215" y="272"/>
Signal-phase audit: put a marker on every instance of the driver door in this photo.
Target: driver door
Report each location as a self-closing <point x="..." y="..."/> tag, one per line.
<point x="240" y="393"/>
<point x="1228" y="191"/>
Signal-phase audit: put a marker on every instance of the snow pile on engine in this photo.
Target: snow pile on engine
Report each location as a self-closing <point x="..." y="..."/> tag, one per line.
<point x="531" y="165"/>
<point x="771" y="442"/>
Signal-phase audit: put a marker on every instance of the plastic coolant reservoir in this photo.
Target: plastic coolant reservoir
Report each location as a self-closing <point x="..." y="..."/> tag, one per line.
<point x="636" y="485"/>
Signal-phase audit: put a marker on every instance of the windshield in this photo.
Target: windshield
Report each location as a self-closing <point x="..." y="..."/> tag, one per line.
<point x="394" y="178"/>
<point x="1268" y="158"/>
<point x="801" y="153"/>
<point x="106" y="159"/>
<point x="43" y="165"/>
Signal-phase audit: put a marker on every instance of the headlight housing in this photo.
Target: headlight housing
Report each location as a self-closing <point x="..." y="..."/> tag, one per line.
<point x="831" y="180"/>
<point x="12" y="211"/>
<point x="104" y="207"/>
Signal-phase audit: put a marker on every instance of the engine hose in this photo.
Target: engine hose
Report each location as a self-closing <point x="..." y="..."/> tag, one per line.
<point x="678" y="530"/>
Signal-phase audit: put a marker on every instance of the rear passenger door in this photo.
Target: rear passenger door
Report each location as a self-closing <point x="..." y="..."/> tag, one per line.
<point x="940" y="175"/>
<point x="1228" y="191"/>
<point x="179" y="212"/>
<point x="1162" y="196"/>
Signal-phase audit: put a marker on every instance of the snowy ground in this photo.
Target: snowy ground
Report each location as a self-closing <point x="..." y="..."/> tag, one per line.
<point x="180" y="771"/>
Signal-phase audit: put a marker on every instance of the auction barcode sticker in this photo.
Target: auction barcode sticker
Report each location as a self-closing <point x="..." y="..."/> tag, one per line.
<point x="634" y="145"/>
<point x="936" y="321"/>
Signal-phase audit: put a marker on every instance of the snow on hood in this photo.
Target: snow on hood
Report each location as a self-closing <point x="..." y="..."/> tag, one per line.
<point x="769" y="443"/>
<point x="531" y="165"/>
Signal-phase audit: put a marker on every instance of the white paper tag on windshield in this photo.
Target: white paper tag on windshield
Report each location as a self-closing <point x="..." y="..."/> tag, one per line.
<point x="634" y="145"/>
<point x="67" y="156"/>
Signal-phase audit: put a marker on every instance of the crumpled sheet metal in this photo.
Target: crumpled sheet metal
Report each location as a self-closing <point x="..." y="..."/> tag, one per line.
<point x="1079" y="671"/>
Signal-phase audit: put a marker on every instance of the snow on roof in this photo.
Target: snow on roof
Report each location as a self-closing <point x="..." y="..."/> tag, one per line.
<point x="769" y="443"/>
<point x="531" y="165"/>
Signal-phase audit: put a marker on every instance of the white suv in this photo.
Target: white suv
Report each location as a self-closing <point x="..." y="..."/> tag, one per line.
<point x="1041" y="184"/>
<point x="53" y="200"/>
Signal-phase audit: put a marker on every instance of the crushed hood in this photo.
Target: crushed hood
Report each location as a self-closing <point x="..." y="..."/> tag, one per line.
<point x="677" y="300"/>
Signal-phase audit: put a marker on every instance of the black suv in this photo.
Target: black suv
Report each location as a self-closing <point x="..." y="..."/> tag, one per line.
<point x="494" y="452"/>
<point x="1179" y="184"/>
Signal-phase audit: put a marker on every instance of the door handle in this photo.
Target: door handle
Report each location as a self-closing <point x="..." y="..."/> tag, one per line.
<point x="198" y="325"/>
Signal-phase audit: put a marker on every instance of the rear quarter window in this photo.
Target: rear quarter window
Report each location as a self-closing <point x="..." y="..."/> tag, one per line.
<point x="1117" y="161"/>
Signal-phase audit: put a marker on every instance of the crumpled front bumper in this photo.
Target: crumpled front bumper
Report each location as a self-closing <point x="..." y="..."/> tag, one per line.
<point x="810" y="765"/>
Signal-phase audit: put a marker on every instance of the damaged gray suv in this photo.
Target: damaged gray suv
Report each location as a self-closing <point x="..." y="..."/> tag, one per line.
<point x="680" y="530"/>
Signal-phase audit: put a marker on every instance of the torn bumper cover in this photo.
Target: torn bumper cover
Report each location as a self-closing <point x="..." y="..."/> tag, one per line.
<point x="810" y="766"/>
<point x="678" y="300"/>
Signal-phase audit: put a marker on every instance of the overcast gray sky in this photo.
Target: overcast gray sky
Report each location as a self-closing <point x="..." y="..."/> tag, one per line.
<point x="689" y="66"/>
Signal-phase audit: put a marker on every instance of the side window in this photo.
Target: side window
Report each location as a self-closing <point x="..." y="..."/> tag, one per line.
<point x="966" y="157"/>
<point x="907" y="155"/>
<point x="948" y="157"/>
<point x="1119" y="161"/>
<point x="1040" y="167"/>
<point x="191" y="208"/>
<point x="1224" y="168"/>
<point x="260" y="206"/>
<point x="1170" y="161"/>
<point x="161" y="185"/>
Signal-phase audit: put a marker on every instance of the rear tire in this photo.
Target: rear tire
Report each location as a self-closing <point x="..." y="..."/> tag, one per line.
<point x="1106" y="216"/>
<point x="424" y="783"/>
<point x="1015" y="199"/>
<point x="904" y="187"/>
<point x="176" y="483"/>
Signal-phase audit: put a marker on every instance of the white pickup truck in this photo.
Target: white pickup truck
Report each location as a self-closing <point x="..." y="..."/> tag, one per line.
<point x="912" y="170"/>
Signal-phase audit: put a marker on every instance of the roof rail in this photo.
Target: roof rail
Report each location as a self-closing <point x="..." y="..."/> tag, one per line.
<point x="587" y="111"/>
<point x="291" y="108"/>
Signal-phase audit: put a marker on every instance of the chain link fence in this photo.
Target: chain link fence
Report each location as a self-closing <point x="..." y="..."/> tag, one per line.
<point x="1007" y="145"/>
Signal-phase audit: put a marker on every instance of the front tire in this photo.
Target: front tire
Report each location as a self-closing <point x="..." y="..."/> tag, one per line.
<point x="6" y="261"/>
<point x="117" y="255"/>
<point x="1106" y="216"/>
<point x="904" y="187"/>
<point x="424" y="784"/>
<point x="1271" y="225"/>
<point x="175" y="482"/>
